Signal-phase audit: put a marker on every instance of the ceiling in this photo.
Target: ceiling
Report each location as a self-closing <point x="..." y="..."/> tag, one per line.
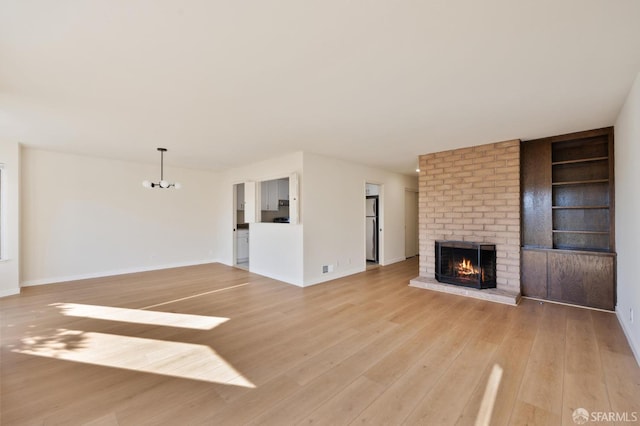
<point x="226" y="83"/>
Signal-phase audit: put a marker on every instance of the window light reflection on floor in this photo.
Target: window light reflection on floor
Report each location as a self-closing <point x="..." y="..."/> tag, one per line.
<point x="177" y="359"/>
<point x="137" y="316"/>
<point x="489" y="398"/>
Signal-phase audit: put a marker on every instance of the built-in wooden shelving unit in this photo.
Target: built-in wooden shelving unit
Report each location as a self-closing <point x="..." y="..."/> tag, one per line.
<point x="568" y="218"/>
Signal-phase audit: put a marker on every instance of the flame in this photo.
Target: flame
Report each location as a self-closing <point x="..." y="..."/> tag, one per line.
<point x="466" y="268"/>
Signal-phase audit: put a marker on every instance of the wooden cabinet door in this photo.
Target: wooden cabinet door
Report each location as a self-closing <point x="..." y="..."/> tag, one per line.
<point x="582" y="278"/>
<point x="534" y="273"/>
<point x="536" y="195"/>
<point x="240" y="197"/>
<point x="269" y="195"/>
<point x="283" y="189"/>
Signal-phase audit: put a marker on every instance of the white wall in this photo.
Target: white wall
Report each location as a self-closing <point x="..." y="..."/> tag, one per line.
<point x="10" y="265"/>
<point x="627" y="177"/>
<point x="275" y="250"/>
<point x="85" y="216"/>
<point x="333" y="204"/>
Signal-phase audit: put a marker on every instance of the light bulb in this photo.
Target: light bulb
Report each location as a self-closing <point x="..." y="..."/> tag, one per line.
<point x="164" y="184"/>
<point x="146" y="184"/>
<point x="177" y="185"/>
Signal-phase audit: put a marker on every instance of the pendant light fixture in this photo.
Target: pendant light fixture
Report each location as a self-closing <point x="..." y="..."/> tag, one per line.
<point x="163" y="183"/>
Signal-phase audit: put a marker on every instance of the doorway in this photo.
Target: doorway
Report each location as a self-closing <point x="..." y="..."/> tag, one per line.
<point x="411" y="245"/>
<point x="240" y="228"/>
<point x="372" y="224"/>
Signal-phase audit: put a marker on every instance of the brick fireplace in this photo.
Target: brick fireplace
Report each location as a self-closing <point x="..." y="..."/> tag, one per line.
<point x="473" y="195"/>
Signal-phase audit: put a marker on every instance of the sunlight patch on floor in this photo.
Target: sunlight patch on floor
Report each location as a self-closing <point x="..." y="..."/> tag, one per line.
<point x="176" y="359"/>
<point x="137" y="316"/>
<point x="489" y="398"/>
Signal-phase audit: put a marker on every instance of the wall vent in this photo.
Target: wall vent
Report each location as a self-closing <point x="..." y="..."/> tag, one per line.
<point x="327" y="268"/>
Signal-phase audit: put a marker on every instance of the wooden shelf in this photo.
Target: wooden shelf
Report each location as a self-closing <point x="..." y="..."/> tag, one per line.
<point x="580" y="160"/>
<point x="580" y="182"/>
<point x="562" y="231"/>
<point x="580" y="207"/>
<point x="571" y="250"/>
<point x="568" y="215"/>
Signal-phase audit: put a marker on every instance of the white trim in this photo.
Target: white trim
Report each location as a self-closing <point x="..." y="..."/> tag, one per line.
<point x="315" y="281"/>
<point x="12" y="292"/>
<point x="267" y="274"/>
<point x="276" y="277"/>
<point x="333" y="276"/>
<point x="591" y="308"/>
<point x="55" y="280"/>
<point x="392" y="261"/>
<point x="627" y="333"/>
<point x="4" y="222"/>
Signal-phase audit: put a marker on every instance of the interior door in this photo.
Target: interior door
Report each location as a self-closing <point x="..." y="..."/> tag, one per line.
<point x="410" y="223"/>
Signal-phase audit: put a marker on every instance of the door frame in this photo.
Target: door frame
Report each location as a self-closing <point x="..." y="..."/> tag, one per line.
<point x="380" y="227"/>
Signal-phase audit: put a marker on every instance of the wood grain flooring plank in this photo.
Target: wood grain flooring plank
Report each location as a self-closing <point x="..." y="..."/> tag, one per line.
<point x="325" y="386"/>
<point x="405" y="393"/>
<point x="622" y="376"/>
<point x="401" y="358"/>
<point x="542" y="384"/>
<point x="529" y="415"/>
<point x="346" y="405"/>
<point x="511" y="358"/>
<point x="465" y="371"/>
<point x="584" y="383"/>
<point x="364" y="349"/>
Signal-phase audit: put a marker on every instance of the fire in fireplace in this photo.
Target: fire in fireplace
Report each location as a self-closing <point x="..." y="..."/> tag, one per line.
<point x="466" y="263"/>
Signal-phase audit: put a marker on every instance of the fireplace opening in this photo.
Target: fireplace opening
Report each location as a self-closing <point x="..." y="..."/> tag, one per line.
<point x="465" y="263"/>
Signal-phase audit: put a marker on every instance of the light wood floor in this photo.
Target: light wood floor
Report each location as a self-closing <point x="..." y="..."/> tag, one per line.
<point x="366" y="349"/>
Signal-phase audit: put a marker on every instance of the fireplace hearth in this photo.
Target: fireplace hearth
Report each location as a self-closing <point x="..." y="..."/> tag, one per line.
<point x="466" y="264"/>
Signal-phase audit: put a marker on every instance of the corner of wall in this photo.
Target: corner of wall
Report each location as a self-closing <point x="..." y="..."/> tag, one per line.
<point x="10" y="266"/>
<point x="635" y="346"/>
<point x="627" y="174"/>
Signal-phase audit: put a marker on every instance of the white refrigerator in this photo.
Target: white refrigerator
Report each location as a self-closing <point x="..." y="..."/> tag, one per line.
<point x="371" y="223"/>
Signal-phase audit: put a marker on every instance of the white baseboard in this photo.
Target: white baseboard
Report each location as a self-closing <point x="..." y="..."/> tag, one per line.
<point x="12" y="292"/>
<point x="634" y="347"/>
<point x="392" y="261"/>
<point x="284" y="279"/>
<point x="53" y="280"/>
<point x="333" y="276"/>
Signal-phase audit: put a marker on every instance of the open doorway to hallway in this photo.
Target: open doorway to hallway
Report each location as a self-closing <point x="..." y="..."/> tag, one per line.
<point x="372" y="224"/>
<point x="240" y="228"/>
